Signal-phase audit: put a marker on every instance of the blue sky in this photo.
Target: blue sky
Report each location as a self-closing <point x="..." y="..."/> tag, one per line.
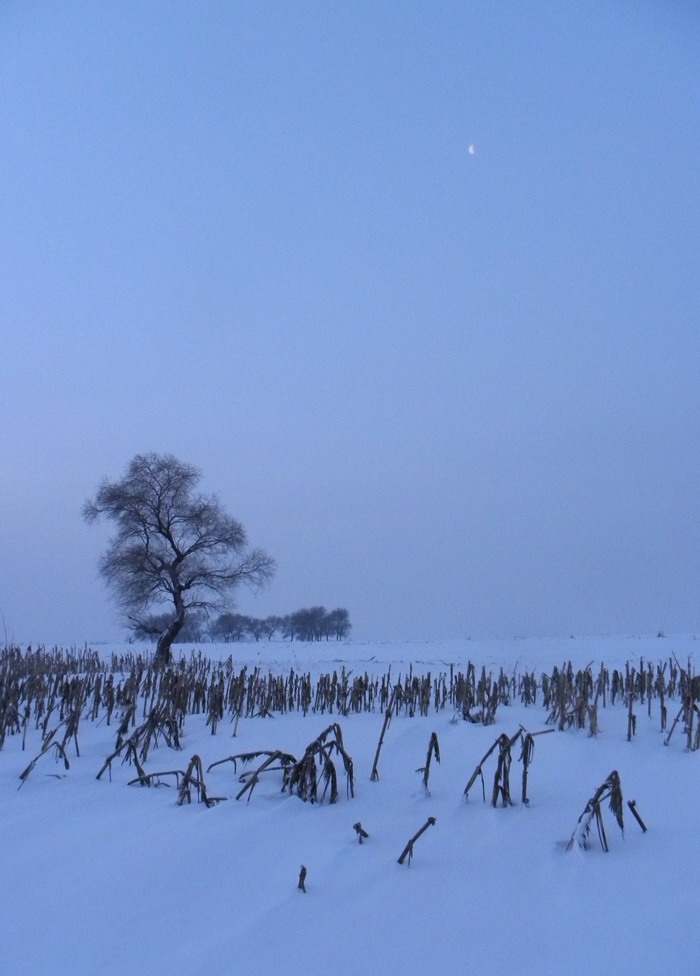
<point x="455" y="393"/>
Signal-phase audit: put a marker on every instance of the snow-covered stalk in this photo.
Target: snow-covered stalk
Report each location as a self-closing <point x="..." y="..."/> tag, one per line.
<point x="611" y="789"/>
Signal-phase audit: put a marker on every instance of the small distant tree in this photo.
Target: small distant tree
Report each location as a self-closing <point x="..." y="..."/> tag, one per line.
<point x="256" y="628"/>
<point x="338" y="623"/>
<point x="173" y="546"/>
<point x="230" y="627"/>
<point x="310" y="623"/>
<point x="270" y="626"/>
<point x="314" y="624"/>
<point x="307" y="623"/>
<point x="288" y="627"/>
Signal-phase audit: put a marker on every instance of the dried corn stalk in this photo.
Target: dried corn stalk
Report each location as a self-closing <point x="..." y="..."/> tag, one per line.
<point x="609" y="790"/>
<point x="374" y="775"/>
<point x="305" y="776"/>
<point x="433" y="750"/>
<point x="317" y="766"/>
<point x="408" y="849"/>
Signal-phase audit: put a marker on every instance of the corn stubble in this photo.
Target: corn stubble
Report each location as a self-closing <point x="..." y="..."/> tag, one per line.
<point x="38" y="686"/>
<point x="50" y="694"/>
<point x="311" y="777"/>
<point x="501" y="780"/>
<point x="433" y="750"/>
<point x="611" y="790"/>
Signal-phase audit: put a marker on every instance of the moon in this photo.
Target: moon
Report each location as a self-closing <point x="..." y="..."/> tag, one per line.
<point x="472" y="149"/>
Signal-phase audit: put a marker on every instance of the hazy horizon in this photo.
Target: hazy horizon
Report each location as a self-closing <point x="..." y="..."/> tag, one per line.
<point x="454" y="391"/>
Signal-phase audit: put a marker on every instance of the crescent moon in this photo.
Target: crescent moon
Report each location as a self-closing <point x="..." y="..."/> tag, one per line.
<point x="472" y="149"/>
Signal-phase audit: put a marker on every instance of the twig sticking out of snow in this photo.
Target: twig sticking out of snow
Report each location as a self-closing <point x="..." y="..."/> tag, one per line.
<point x="632" y="804"/>
<point x="408" y="849"/>
<point x="186" y="781"/>
<point x="433" y="750"/>
<point x="60" y="751"/>
<point x="478" y="772"/>
<point x="374" y="775"/>
<point x="360" y="831"/>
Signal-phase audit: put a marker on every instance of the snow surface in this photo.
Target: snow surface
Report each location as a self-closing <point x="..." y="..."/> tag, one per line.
<point x="104" y="878"/>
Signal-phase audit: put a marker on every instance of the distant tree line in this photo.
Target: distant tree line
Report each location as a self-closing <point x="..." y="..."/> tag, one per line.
<point x="307" y="624"/>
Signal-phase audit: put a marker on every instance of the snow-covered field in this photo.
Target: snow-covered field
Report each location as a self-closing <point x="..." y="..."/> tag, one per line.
<point x="99" y="877"/>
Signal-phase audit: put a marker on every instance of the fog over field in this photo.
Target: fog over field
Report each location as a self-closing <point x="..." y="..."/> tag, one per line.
<point x="414" y="286"/>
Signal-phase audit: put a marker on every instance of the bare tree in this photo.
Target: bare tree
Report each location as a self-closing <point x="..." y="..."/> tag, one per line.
<point x="229" y="627"/>
<point x="338" y="624"/>
<point x="256" y="628"/>
<point x="193" y="631"/>
<point x="173" y="547"/>
<point x="309" y="623"/>
<point x="271" y="625"/>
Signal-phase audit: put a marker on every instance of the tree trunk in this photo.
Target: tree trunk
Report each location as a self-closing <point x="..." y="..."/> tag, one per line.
<point x="164" y="654"/>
